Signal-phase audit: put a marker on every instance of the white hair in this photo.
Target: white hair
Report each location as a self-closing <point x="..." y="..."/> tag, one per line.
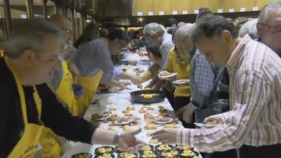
<point x="185" y="31"/>
<point x="153" y="29"/>
<point x="249" y="28"/>
<point x="264" y="12"/>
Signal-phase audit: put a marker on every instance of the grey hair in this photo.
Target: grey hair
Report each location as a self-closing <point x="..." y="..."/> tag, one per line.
<point x="185" y="31"/>
<point x="31" y="35"/>
<point x="249" y="28"/>
<point x="264" y="12"/>
<point x="153" y="29"/>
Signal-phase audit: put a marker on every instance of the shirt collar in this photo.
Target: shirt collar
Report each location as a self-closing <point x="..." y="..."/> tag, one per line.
<point x="238" y="52"/>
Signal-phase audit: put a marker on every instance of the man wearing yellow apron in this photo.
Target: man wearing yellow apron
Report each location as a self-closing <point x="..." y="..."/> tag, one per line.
<point x="95" y="65"/>
<point x="31" y="57"/>
<point x="62" y="83"/>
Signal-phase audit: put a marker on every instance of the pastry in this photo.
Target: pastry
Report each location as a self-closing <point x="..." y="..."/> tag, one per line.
<point x="153" y="141"/>
<point x="128" y="114"/>
<point x="127" y="128"/>
<point x="170" y="126"/>
<point x="127" y="155"/>
<point x="112" y="128"/>
<point x="142" y="110"/>
<point x="150" y="127"/>
<point x="150" y="108"/>
<point x="148" y="134"/>
<point x="107" y="112"/>
<point x="104" y="149"/>
<point x="130" y="108"/>
<point x="165" y="73"/>
<point x="125" y="111"/>
<point x="148" y="116"/>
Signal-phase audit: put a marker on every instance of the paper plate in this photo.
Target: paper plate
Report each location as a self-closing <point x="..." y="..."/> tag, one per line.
<point x="204" y="125"/>
<point x="123" y="122"/>
<point x="163" y="122"/>
<point x="183" y="82"/>
<point x="168" y="76"/>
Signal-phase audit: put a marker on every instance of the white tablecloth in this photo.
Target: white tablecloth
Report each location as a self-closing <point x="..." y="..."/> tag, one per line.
<point x="120" y="101"/>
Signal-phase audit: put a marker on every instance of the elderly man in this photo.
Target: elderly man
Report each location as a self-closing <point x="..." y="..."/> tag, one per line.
<point x="157" y="35"/>
<point x="253" y="124"/>
<point x="269" y="26"/>
<point x="26" y="102"/>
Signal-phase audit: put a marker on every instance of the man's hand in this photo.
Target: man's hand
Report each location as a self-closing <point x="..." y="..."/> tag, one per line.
<point x="123" y="85"/>
<point x="214" y="118"/>
<point x="166" y="136"/>
<point x="128" y="141"/>
<point x="188" y="113"/>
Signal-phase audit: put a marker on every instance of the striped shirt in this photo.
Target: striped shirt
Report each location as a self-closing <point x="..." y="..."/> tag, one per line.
<point x="255" y="102"/>
<point x="92" y="58"/>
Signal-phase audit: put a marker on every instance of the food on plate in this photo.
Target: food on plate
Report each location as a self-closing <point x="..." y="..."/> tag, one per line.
<point x="112" y="109"/>
<point x="112" y="128"/>
<point x="164" y="147"/>
<point x="147" y="148"/>
<point x="123" y="120"/>
<point x="163" y="114"/>
<point x="188" y="153"/>
<point x="128" y="114"/>
<point x="113" y="117"/>
<point x="162" y="119"/>
<point x="111" y="124"/>
<point x="169" y="154"/>
<point x="164" y="73"/>
<point x="127" y="155"/>
<point x="125" y="111"/>
<point x="183" y="82"/>
<point x="104" y="149"/>
<point x="148" y="116"/>
<point x="160" y="107"/>
<point x="183" y="147"/>
<point x="153" y="141"/>
<point x="170" y="126"/>
<point x="142" y="110"/>
<point x="82" y="155"/>
<point x="135" y="122"/>
<point x="127" y="128"/>
<point x="211" y="122"/>
<point x="149" y="108"/>
<point x="107" y="112"/>
<point x="96" y="123"/>
<point x="150" y="127"/>
<point x="148" y="154"/>
<point x="106" y="155"/>
<point x="130" y="108"/>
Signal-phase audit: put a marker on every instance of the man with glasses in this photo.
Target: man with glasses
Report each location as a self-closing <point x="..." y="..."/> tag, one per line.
<point x="62" y="81"/>
<point x="269" y="26"/>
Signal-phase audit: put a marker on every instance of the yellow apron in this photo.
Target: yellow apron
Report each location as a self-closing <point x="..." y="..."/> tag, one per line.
<point x="90" y="85"/>
<point x="26" y="147"/>
<point x="65" y="92"/>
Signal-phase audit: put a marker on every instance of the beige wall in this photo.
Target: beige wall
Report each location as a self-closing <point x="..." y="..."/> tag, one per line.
<point x="14" y="13"/>
<point x="168" y="6"/>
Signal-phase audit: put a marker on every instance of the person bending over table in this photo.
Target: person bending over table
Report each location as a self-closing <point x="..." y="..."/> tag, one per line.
<point x="253" y="124"/>
<point x="27" y="102"/>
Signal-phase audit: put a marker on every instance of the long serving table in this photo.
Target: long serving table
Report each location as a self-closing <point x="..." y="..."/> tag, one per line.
<point x="119" y="103"/>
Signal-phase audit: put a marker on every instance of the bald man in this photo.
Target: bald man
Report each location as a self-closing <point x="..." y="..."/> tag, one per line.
<point x="62" y="82"/>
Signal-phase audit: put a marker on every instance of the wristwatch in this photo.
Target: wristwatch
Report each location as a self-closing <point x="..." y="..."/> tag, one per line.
<point x="116" y="139"/>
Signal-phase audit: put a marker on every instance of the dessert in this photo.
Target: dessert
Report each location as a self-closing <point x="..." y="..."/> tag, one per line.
<point x="153" y="141"/>
<point x="128" y="114"/>
<point x="107" y="112"/>
<point x="149" y="108"/>
<point x="130" y="108"/>
<point x="112" y="128"/>
<point x="170" y="126"/>
<point x="104" y="149"/>
<point x="127" y="155"/>
<point x="126" y="111"/>
<point x="148" y="134"/>
<point x="148" y="154"/>
<point x="169" y="154"/>
<point x="150" y="127"/>
<point x="82" y="155"/>
<point x="161" y="119"/>
<point x="164" y="73"/>
<point x="123" y="120"/>
<point x="106" y="155"/>
<point x="113" y="117"/>
<point x="127" y="128"/>
<point x="164" y="147"/>
<point x="148" y="116"/>
<point x="142" y="110"/>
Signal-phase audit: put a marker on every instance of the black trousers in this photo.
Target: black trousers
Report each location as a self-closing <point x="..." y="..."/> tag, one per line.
<point x="170" y="97"/>
<point x="271" y="151"/>
<point x="179" y="103"/>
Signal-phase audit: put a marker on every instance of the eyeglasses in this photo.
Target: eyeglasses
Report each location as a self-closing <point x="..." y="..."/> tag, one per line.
<point x="273" y="29"/>
<point x="66" y="30"/>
